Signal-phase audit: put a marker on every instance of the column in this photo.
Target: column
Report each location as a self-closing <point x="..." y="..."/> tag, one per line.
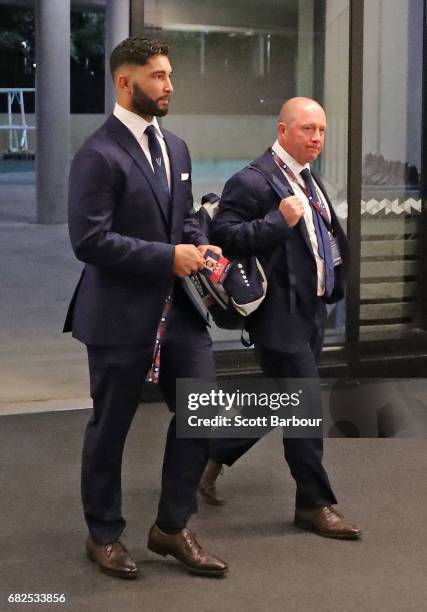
<point x="52" y="109"/>
<point x="258" y="62"/>
<point x="117" y="22"/>
<point x="304" y="76"/>
<point x="335" y="102"/>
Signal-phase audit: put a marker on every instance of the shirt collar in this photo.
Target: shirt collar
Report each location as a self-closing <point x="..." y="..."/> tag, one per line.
<point x="295" y="166"/>
<point x="134" y="122"/>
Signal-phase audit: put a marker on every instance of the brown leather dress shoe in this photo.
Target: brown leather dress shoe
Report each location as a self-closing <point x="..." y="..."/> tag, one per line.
<point x="327" y="522"/>
<point x="207" y="487"/>
<point x="112" y="558"/>
<point x="185" y="548"/>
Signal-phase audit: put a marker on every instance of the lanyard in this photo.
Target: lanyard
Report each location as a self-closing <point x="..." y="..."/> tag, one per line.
<point x="319" y="207"/>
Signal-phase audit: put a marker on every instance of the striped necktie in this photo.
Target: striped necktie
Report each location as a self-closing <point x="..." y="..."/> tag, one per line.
<point x="322" y="234"/>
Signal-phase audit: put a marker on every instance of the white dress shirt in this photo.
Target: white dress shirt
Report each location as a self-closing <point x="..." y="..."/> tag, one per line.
<point x="137" y="126"/>
<point x="298" y="188"/>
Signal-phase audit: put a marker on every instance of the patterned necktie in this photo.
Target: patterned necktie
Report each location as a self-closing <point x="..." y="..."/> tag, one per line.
<point x="158" y="166"/>
<point x="322" y="233"/>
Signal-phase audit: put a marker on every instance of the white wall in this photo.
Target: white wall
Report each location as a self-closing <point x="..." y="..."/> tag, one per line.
<point x="388" y="97"/>
<point x="385" y="78"/>
<point x="334" y="159"/>
<point x="81" y="127"/>
<point x="224" y="137"/>
<point x="209" y="137"/>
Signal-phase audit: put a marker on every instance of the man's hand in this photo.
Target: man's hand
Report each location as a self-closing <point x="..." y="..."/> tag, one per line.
<point x="188" y="260"/>
<point x="292" y="209"/>
<point x="204" y="247"/>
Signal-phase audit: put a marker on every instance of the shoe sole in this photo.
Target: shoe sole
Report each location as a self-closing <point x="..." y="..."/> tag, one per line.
<point x="325" y="534"/>
<point x="118" y="574"/>
<point x="193" y="570"/>
<point x="111" y="572"/>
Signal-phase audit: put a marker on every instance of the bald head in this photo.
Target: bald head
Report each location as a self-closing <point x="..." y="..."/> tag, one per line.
<point x="301" y="128"/>
<point x="292" y="108"/>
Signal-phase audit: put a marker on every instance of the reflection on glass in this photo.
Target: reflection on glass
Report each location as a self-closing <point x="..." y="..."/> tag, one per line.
<point x="391" y="204"/>
<point x="234" y="65"/>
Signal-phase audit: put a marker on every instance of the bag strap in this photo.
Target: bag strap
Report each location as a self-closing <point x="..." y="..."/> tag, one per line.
<point x="283" y="190"/>
<point x="281" y="187"/>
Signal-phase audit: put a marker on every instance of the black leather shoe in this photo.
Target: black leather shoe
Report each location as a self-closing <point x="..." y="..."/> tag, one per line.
<point x="112" y="558"/>
<point x="327" y="522"/>
<point x="207" y="485"/>
<point x="185" y="548"/>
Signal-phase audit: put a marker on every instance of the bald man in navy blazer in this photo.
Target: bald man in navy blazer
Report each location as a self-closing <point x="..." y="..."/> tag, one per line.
<point x="276" y="209"/>
<point x="131" y="223"/>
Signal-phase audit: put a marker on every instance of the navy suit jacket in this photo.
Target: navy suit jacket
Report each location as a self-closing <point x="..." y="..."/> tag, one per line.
<point x="119" y="229"/>
<point x="248" y="222"/>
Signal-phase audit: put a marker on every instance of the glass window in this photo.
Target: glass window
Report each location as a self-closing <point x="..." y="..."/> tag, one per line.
<point x="391" y="197"/>
<point x="234" y="65"/>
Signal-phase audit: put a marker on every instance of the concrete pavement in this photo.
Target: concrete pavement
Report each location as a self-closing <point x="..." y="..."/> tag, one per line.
<point x="40" y="368"/>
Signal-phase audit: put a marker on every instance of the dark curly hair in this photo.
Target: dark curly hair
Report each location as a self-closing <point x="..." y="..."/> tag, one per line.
<point x="137" y="51"/>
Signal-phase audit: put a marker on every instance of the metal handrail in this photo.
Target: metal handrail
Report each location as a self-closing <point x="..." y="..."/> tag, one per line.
<point x="17" y="142"/>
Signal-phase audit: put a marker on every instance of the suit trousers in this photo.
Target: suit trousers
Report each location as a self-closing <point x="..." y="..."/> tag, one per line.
<point x="303" y="455"/>
<point x="117" y="374"/>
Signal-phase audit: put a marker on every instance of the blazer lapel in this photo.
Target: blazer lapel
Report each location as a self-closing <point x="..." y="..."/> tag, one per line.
<point x="335" y="222"/>
<point x="334" y="219"/>
<point x="128" y="142"/>
<point x="323" y="190"/>
<point x="174" y="180"/>
<point x="272" y="174"/>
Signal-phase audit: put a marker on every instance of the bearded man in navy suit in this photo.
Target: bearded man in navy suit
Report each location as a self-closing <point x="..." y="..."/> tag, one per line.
<point x="131" y="223"/>
<point x="278" y="210"/>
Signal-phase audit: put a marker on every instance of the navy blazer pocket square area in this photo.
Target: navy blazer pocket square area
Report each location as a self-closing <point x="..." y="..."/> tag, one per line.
<point x="185" y="176"/>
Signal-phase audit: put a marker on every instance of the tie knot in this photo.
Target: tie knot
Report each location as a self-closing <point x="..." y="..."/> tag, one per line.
<point x="150" y="131"/>
<point x="305" y="173"/>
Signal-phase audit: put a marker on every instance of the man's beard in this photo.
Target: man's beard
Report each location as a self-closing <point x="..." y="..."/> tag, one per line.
<point x="144" y="105"/>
